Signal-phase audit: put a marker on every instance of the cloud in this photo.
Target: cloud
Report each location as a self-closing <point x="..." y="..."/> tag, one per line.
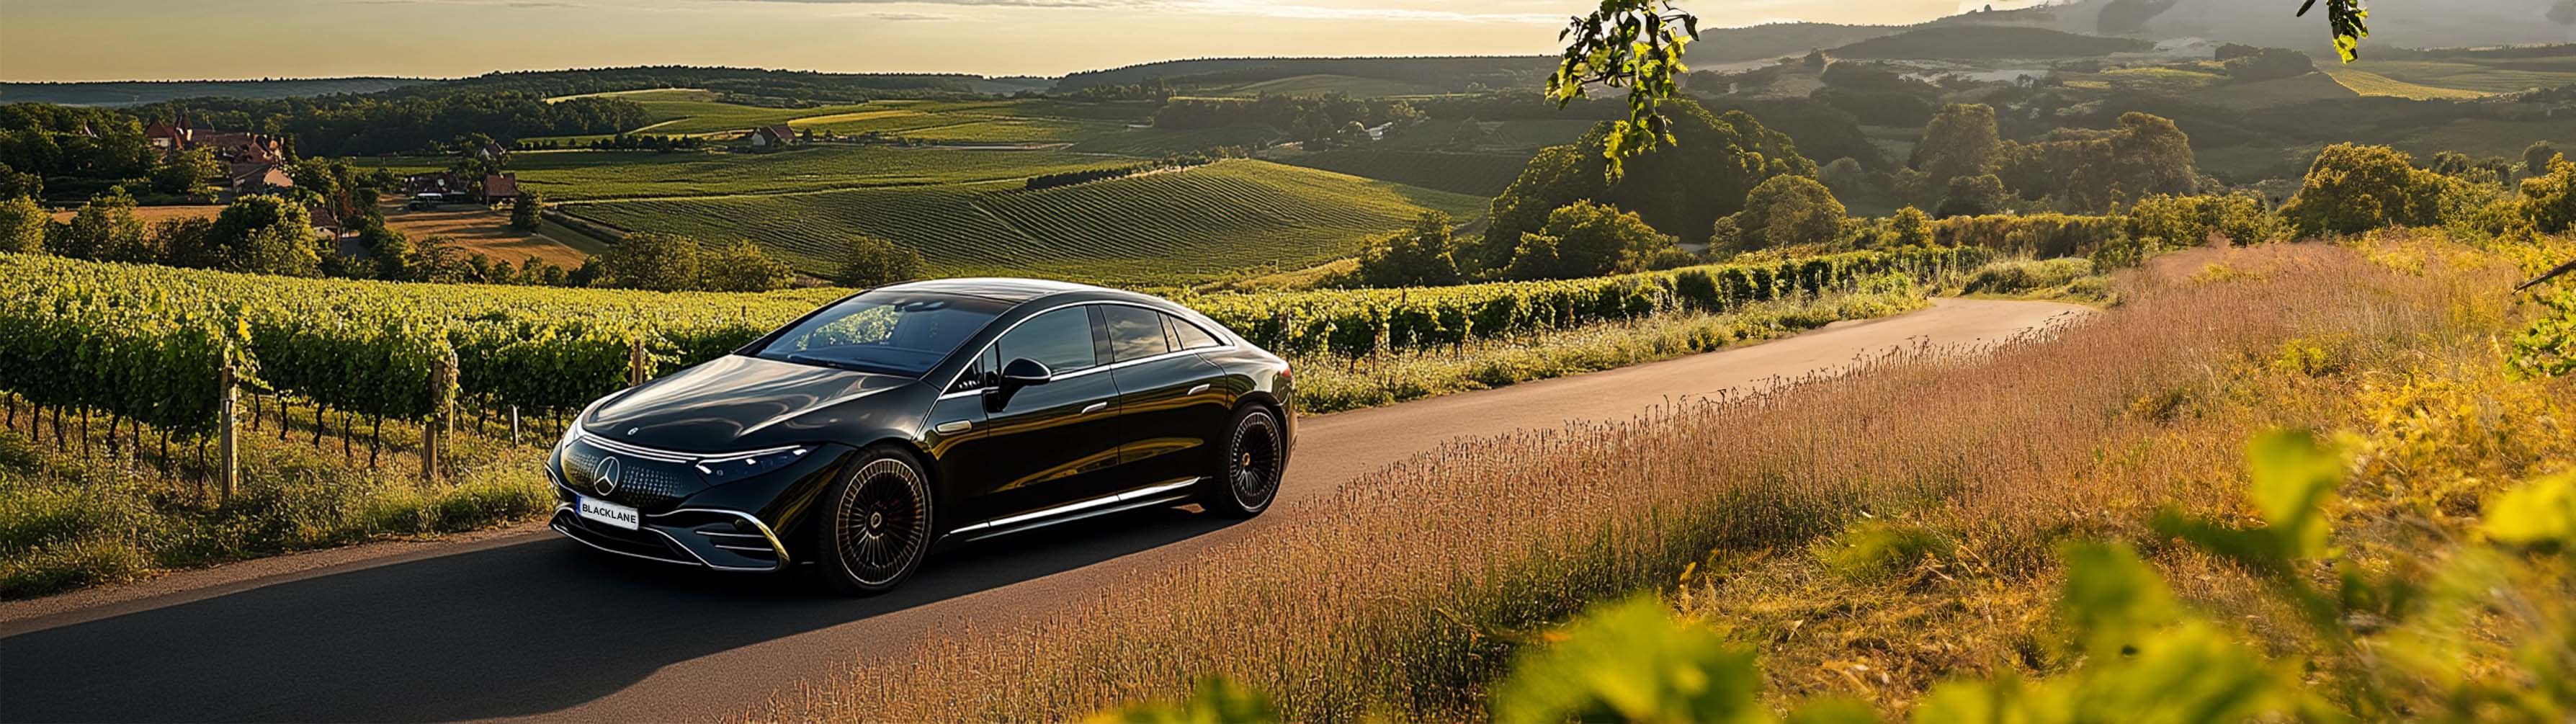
<point x="1253" y="8"/>
<point x="900" y="17"/>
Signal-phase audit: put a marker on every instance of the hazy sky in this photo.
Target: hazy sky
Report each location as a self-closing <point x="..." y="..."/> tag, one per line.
<point x="194" y="39"/>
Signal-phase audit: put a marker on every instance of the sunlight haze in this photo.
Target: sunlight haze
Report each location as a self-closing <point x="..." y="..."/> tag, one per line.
<point x="134" y="39"/>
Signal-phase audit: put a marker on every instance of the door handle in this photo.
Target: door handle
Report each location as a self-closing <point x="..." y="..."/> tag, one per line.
<point x="953" y="427"/>
<point x="1198" y="389"/>
<point x="1094" y="407"/>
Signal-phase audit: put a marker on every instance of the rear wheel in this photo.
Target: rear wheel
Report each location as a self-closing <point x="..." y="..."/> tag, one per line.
<point x="878" y="527"/>
<point x="1243" y="483"/>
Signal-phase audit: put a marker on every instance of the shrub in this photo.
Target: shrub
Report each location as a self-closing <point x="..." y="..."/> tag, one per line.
<point x="2549" y="200"/>
<point x="1586" y="239"/>
<point x="658" y="262"/>
<point x="1972" y="196"/>
<point x="1787" y="211"/>
<point x="2354" y="188"/>
<point x="1877" y="549"/>
<point x="738" y="266"/>
<point x="2038" y="235"/>
<point x="22" y="225"/>
<point x="524" y="213"/>
<point x="2018" y="276"/>
<point x="872" y="262"/>
<point x="2193" y="220"/>
<point x="1424" y="255"/>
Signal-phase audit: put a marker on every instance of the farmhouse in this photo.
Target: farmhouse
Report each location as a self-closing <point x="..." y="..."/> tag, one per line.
<point x="490" y="151"/>
<point x="500" y="187"/>
<point x="773" y="136"/>
<point x="228" y="146"/>
<point x="248" y="177"/>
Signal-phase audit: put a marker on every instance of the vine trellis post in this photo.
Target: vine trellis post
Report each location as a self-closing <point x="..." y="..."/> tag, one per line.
<point x="227" y="442"/>
<point x="440" y="426"/>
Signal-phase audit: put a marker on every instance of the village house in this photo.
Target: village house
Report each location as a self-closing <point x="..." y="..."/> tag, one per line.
<point x="772" y="136"/>
<point x="501" y="187"/>
<point x="227" y="146"/>
<point x="254" y="177"/>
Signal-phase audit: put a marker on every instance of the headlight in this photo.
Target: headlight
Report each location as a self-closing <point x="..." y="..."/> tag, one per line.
<point x="743" y="465"/>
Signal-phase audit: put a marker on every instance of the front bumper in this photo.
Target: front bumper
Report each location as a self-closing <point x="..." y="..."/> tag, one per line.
<point x="713" y="538"/>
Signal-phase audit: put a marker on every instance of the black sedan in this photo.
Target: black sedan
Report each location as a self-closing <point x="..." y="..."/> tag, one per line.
<point x="864" y="434"/>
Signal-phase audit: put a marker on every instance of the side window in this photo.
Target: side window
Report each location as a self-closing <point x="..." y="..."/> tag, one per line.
<point x="1134" y="332"/>
<point x="981" y="371"/>
<point x="1191" y="336"/>
<point x="1060" y="339"/>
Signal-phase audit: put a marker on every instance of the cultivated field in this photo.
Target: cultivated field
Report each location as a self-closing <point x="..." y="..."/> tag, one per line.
<point x="1158" y="228"/>
<point x="579" y="175"/>
<point x="1474" y="174"/>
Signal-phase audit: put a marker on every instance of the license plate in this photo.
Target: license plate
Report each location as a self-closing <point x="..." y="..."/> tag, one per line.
<point x="610" y="513"/>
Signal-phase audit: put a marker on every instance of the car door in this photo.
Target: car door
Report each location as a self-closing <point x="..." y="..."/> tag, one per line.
<point x="1043" y="444"/>
<point x="1170" y="405"/>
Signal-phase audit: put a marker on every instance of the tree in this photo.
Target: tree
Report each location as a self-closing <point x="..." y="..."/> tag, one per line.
<point x="1638" y="44"/>
<point x="22" y="226"/>
<point x="524" y="213"/>
<point x="1586" y="239"/>
<point x="389" y="249"/>
<point x="1681" y="189"/>
<point x="2536" y="159"/>
<point x="102" y="228"/>
<point x="1961" y="141"/>
<point x="1788" y="211"/>
<point x="182" y="241"/>
<point x="186" y="171"/>
<point x="2353" y="188"/>
<point x="869" y="262"/>
<point x="738" y="266"/>
<point x="267" y="235"/>
<point x="2549" y="200"/>
<point x="1972" y="196"/>
<point x="15" y="183"/>
<point x="659" y="262"/>
<point x="1421" y="256"/>
<point x="1909" y="226"/>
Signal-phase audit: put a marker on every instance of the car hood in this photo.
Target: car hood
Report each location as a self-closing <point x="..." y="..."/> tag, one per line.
<point x="736" y="402"/>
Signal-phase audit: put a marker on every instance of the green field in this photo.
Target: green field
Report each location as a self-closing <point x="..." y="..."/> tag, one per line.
<point x="1159" y="228"/>
<point x="2373" y="84"/>
<point x="1475" y="174"/>
<point x="2482" y="76"/>
<point x="984" y="121"/>
<point x="1159" y="142"/>
<point x="1322" y="83"/>
<point x="576" y="175"/>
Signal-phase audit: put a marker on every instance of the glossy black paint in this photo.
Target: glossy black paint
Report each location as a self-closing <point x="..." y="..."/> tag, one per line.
<point x="1146" y="413"/>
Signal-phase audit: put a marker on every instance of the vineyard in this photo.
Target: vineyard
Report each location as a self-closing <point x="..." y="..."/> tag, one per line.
<point x="1152" y="229"/>
<point x="153" y="345"/>
<point x="1475" y="174"/>
<point x="579" y="175"/>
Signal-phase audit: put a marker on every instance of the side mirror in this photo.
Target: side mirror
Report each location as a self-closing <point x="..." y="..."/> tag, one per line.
<point x="1023" y="372"/>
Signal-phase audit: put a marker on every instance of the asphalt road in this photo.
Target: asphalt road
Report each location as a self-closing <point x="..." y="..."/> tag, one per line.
<point x="533" y="626"/>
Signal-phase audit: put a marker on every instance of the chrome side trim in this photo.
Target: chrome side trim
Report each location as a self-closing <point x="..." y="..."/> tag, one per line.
<point x="1094" y="407"/>
<point x="1075" y="507"/>
<point x="765" y="533"/>
<point x="1201" y="388"/>
<point x="953" y="427"/>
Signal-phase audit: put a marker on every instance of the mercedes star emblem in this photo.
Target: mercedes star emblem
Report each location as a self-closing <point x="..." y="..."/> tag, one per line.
<point x="605" y="480"/>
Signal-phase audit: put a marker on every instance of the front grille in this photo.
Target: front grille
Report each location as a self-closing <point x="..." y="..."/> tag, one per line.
<point x="640" y="482"/>
<point x="612" y="538"/>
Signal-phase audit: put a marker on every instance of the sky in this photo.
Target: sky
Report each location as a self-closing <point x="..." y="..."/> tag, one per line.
<point x="69" y="40"/>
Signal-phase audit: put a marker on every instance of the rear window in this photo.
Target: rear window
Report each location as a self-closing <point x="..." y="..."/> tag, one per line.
<point x="886" y="332"/>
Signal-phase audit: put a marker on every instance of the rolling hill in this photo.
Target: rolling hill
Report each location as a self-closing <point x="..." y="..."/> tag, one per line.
<point x="1156" y="228"/>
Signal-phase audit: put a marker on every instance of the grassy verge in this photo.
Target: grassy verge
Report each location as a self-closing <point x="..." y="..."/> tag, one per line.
<point x="1406" y="595"/>
<point x="71" y="517"/>
<point x="1330" y="383"/>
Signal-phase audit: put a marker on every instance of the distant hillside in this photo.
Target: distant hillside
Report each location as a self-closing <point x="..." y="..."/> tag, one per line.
<point x="1762" y="42"/>
<point x="1977" y="42"/>
<point x="127" y="93"/>
<point x="1433" y="74"/>
<point x="2393" y="23"/>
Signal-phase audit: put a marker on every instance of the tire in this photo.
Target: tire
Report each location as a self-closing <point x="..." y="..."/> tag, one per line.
<point x="876" y="526"/>
<point x="1243" y="482"/>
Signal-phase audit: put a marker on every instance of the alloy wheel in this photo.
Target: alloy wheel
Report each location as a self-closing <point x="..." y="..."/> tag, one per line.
<point x="883" y="521"/>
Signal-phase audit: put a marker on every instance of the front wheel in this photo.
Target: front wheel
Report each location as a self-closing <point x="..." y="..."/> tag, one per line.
<point x="1243" y="483"/>
<point x="878" y="524"/>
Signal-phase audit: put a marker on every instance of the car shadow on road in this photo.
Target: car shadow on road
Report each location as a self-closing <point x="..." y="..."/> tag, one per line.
<point x="514" y="630"/>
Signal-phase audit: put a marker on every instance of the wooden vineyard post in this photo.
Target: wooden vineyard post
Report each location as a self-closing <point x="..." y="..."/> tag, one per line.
<point x="227" y="442"/>
<point x="514" y="425"/>
<point x="442" y="405"/>
<point x="636" y="363"/>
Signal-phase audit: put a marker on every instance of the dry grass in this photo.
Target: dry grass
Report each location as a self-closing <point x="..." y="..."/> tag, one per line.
<point x="1406" y="592"/>
<point x="487" y="231"/>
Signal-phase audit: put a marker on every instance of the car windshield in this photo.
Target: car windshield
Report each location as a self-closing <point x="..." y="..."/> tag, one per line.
<point x="887" y="332"/>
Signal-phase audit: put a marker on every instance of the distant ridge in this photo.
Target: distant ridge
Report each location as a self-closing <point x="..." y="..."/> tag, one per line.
<point x="129" y="93"/>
